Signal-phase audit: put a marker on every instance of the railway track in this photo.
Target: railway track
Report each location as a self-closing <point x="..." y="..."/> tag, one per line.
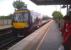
<point x="9" y="42"/>
<point x="7" y="39"/>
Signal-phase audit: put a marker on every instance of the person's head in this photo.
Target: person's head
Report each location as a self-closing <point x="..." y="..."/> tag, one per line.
<point x="67" y="18"/>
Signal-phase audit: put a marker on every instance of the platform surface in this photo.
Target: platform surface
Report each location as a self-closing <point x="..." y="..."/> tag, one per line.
<point x="5" y="26"/>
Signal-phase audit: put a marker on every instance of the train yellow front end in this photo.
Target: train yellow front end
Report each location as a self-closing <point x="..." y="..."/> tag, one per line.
<point x="19" y="25"/>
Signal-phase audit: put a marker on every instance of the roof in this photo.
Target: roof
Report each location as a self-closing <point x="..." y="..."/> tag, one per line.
<point x="51" y="2"/>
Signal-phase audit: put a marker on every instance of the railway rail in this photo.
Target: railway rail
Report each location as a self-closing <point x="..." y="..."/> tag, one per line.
<point x="7" y="38"/>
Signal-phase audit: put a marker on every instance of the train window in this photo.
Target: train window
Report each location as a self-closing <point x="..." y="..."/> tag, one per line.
<point x="19" y="17"/>
<point x="26" y="15"/>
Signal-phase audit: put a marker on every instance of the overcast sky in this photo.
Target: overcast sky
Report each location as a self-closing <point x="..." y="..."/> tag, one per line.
<point x="6" y="8"/>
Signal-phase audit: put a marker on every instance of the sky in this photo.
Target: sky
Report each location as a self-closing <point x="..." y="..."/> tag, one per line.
<point x="7" y="8"/>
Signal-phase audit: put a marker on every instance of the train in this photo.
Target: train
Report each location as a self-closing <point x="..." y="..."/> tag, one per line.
<point x="21" y="21"/>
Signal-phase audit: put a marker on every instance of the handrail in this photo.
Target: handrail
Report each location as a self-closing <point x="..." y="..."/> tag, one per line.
<point x="31" y="40"/>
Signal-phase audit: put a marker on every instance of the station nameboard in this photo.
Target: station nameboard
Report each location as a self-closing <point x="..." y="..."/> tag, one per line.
<point x="51" y="2"/>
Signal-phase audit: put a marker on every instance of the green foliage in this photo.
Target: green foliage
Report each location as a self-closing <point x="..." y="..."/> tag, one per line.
<point x="5" y="17"/>
<point x="57" y="15"/>
<point x="18" y="4"/>
<point x="45" y="18"/>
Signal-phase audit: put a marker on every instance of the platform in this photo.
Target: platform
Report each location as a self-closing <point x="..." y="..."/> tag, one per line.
<point x="5" y="26"/>
<point x="47" y="37"/>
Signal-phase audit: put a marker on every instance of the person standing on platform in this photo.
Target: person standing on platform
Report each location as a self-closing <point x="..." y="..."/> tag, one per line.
<point x="66" y="32"/>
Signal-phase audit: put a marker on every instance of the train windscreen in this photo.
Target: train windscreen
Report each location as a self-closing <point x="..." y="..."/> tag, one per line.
<point x="19" y="17"/>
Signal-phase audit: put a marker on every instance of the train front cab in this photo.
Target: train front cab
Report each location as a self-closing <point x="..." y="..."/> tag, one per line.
<point x="22" y="22"/>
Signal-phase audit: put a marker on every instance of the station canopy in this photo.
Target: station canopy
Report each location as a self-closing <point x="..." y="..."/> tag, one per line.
<point x="52" y="2"/>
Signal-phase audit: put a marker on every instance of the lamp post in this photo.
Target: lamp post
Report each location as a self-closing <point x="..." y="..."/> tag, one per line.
<point x="66" y="6"/>
<point x="67" y="9"/>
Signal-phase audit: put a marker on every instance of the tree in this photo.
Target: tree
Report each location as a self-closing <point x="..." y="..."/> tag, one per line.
<point x="57" y="15"/>
<point x="18" y="4"/>
<point x="5" y="17"/>
<point x="45" y="18"/>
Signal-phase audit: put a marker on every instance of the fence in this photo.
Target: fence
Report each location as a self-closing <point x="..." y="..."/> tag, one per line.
<point x="5" y="22"/>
